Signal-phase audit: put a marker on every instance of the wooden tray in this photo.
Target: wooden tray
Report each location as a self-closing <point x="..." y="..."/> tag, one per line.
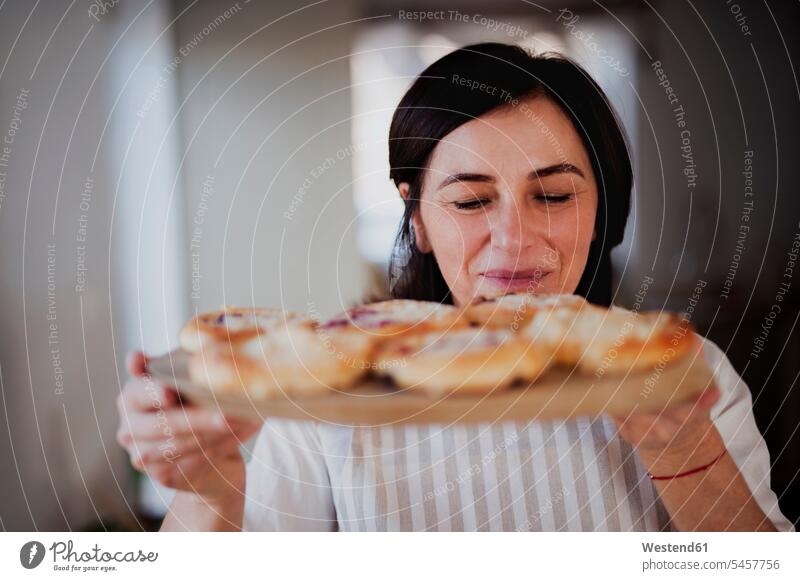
<point x="560" y="393"/>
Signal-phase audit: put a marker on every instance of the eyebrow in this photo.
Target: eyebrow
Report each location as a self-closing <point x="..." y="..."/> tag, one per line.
<point x="539" y="173"/>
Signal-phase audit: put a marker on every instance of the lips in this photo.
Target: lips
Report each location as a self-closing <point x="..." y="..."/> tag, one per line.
<point x="515" y="279"/>
<point x="527" y="274"/>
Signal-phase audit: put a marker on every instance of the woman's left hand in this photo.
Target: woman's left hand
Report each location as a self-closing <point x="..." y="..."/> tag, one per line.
<point x="677" y="437"/>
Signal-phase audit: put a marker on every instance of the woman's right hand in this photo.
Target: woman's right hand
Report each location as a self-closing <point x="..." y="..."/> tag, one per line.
<point x="180" y="446"/>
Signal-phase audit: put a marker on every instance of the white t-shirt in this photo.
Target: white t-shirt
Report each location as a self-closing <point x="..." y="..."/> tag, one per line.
<point x="573" y="475"/>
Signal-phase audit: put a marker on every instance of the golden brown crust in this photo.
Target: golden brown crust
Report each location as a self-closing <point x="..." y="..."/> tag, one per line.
<point x="475" y="361"/>
<point x="294" y="359"/>
<point x="514" y="311"/>
<point x="642" y="342"/>
<point x="612" y="341"/>
<point x="388" y="319"/>
<point x="231" y="325"/>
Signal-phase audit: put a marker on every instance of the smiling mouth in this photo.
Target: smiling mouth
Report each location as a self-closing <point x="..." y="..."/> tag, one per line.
<point x="516" y="279"/>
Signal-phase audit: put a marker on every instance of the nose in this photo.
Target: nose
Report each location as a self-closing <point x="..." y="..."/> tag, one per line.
<point x="513" y="229"/>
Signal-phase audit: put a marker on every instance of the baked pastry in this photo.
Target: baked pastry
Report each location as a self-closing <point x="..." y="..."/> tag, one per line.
<point x="514" y="311"/>
<point x="614" y="340"/>
<point x="426" y="346"/>
<point x="393" y="317"/>
<point x="464" y="360"/>
<point x="231" y="325"/>
<point x="295" y="358"/>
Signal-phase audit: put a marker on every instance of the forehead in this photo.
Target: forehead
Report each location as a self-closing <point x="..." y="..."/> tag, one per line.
<point x="535" y="133"/>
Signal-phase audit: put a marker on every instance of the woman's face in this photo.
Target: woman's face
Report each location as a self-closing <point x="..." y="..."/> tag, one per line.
<point x="508" y="204"/>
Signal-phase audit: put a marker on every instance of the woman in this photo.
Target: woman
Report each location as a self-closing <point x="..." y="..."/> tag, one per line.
<point x="515" y="177"/>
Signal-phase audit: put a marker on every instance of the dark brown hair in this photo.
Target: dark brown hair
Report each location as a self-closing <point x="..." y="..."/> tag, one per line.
<point x="437" y="103"/>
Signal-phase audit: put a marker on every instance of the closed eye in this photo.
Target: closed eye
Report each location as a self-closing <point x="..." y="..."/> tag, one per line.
<point x="470" y="204"/>
<point x="477" y="203"/>
<point x="554" y="198"/>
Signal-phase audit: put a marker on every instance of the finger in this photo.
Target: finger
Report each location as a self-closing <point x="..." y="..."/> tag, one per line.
<point x="203" y="458"/>
<point x="646" y="426"/>
<point x="176" y="423"/>
<point x="683" y="409"/>
<point x="246" y="431"/>
<point x="136" y="363"/>
<point x="638" y="419"/>
<point x="144" y="394"/>
<point x="242" y="423"/>
<point x="239" y="426"/>
<point x="709" y="397"/>
<point x="201" y="425"/>
<point x="174" y="468"/>
<point x="152" y="447"/>
<point x="183" y="443"/>
<point x="695" y="409"/>
<point x="185" y="473"/>
<point x="145" y="453"/>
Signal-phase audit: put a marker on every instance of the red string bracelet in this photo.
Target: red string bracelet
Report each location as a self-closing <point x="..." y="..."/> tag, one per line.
<point x="689" y="472"/>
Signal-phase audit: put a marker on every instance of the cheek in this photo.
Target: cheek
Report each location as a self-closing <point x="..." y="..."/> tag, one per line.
<point x="571" y="231"/>
<point x="455" y="238"/>
<point x="572" y="236"/>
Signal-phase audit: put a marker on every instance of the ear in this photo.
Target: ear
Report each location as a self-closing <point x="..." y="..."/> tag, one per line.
<point x="420" y="237"/>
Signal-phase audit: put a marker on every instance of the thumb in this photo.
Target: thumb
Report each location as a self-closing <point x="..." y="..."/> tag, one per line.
<point x="136" y="363"/>
<point x="709" y="397"/>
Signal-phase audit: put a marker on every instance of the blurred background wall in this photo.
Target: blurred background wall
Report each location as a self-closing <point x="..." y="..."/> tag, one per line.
<point x="163" y="158"/>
